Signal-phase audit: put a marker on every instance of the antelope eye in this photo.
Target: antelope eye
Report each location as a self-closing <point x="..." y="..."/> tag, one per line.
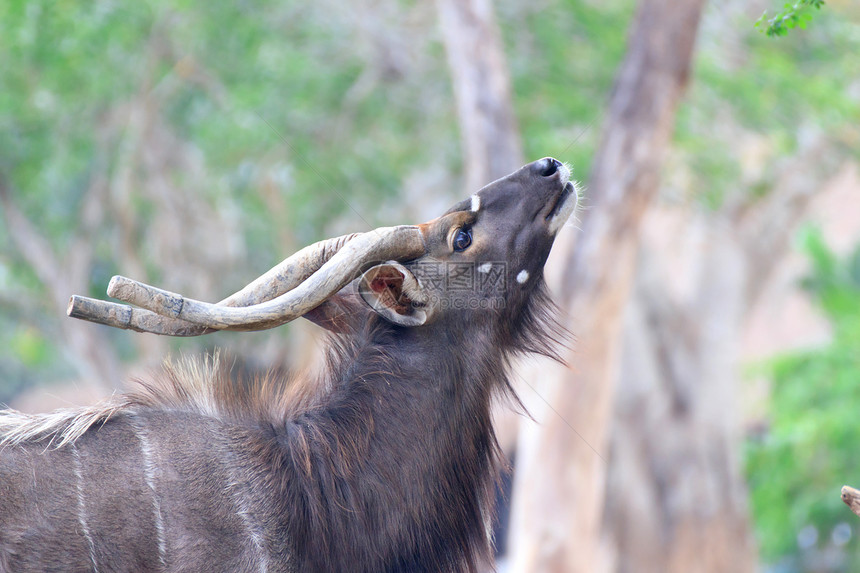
<point x="462" y="239"/>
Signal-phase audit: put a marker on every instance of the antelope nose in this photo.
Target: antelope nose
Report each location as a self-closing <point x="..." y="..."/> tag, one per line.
<point x="547" y="166"/>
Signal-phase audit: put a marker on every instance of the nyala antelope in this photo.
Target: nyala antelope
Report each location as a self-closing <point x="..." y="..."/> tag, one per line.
<point x="384" y="462"/>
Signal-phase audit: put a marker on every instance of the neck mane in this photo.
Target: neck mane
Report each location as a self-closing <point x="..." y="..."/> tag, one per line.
<point x="400" y="444"/>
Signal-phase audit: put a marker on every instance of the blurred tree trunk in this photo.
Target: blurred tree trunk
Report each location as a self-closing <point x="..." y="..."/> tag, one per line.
<point x="482" y="88"/>
<point x="560" y="481"/>
<point x="676" y="438"/>
<point x="677" y="500"/>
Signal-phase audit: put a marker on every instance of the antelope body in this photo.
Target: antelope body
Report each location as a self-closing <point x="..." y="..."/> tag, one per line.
<point x="385" y="462"/>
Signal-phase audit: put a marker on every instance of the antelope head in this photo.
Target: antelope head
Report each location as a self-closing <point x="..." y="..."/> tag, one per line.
<point x="486" y="252"/>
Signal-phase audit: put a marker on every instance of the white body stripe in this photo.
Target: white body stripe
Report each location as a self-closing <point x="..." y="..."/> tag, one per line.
<point x="82" y="508"/>
<point x="255" y="536"/>
<point x="244" y="513"/>
<point x="149" y="469"/>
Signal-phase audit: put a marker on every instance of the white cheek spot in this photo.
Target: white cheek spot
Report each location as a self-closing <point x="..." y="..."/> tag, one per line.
<point x="485" y="268"/>
<point x="476" y="203"/>
<point x="522" y="276"/>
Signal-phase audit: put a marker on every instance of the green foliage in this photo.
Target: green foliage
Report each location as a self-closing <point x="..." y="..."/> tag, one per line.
<point x="263" y="93"/>
<point x="796" y="15"/>
<point x="810" y="448"/>
<point x="754" y="103"/>
<point x="306" y="117"/>
<point x="30" y="347"/>
<point x="834" y="281"/>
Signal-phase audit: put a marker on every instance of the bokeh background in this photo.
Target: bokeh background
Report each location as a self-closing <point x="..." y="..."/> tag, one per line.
<point x="711" y="410"/>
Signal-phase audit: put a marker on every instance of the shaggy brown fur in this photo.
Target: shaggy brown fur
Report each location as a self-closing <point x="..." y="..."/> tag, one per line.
<point x="385" y="462"/>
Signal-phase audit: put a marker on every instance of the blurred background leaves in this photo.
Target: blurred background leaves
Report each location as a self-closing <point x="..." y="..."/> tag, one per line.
<point x="193" y="145"/>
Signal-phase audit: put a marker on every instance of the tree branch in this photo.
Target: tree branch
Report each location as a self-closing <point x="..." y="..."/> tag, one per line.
<point x="84" y="347"/>
<point x="766" y="226"/>
<point x="33" y="247"/>
<point x="851" y="497"/>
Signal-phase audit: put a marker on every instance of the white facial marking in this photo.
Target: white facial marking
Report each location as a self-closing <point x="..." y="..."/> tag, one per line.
<point x="476" y="203"/>
<point x="522" y="276"/>
<point x="564" y="173"/>
<point x="565" y="210"/>
<point x="485" y="268"/>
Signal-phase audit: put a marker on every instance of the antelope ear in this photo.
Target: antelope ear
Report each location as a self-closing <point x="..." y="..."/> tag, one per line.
<point x="395" y="294"/>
